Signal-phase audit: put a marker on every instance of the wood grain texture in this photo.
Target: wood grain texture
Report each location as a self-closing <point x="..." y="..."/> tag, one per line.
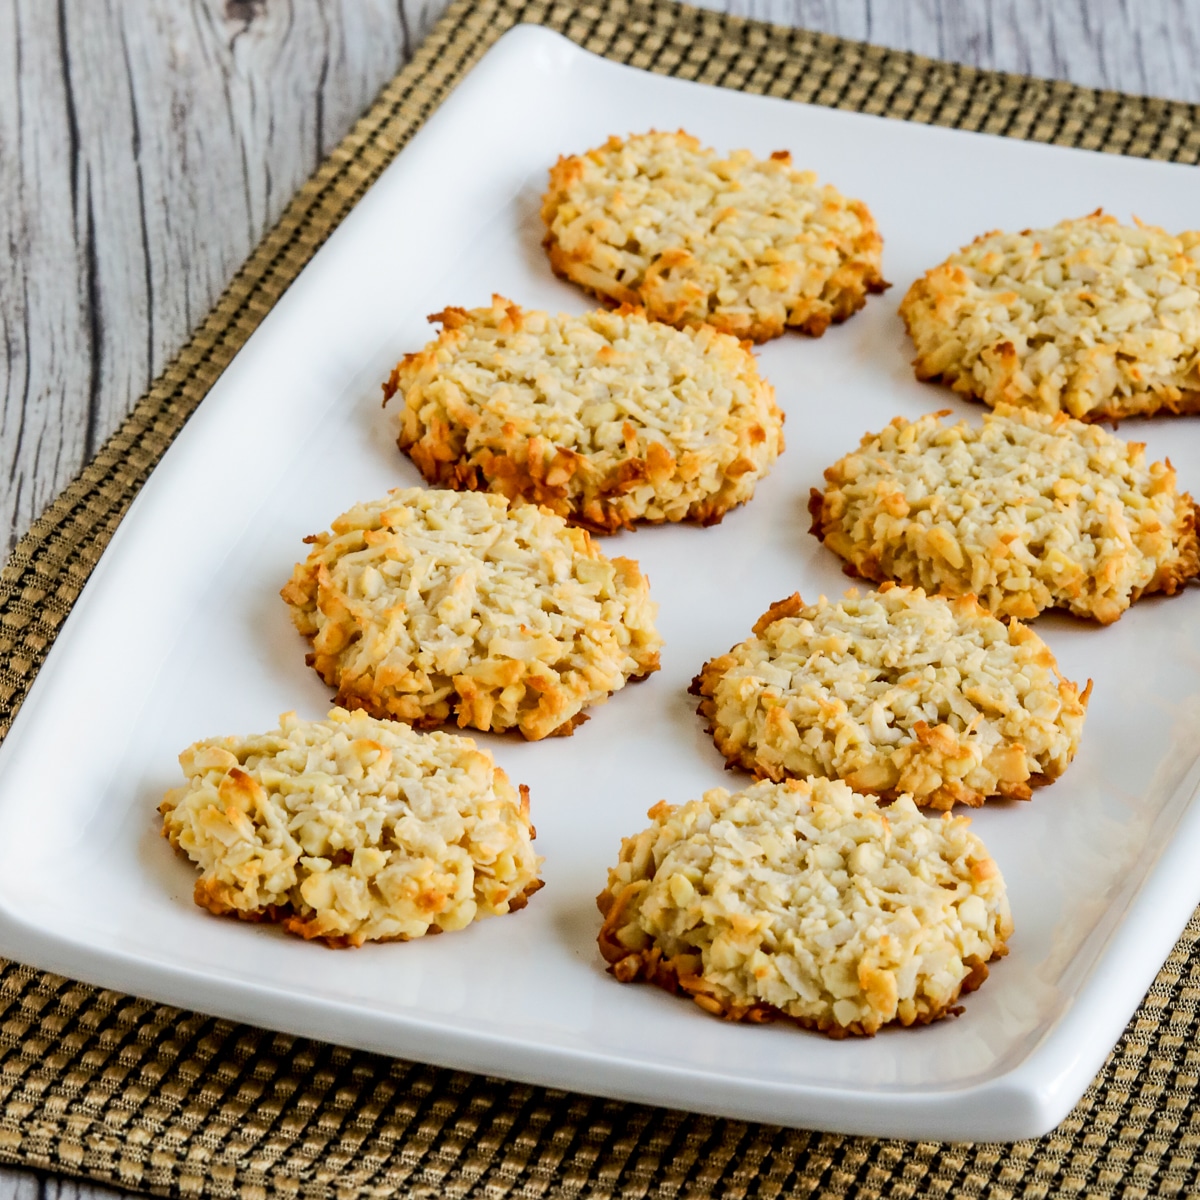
<point x="28" y="1185"/>
<point x="1151" y="47"/>
<point x="146" y="146"/>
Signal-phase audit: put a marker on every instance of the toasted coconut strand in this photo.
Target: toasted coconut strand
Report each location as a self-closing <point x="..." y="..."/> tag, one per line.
<point x="806" y="901"/>
<point x="1184" y="566"/>
<point x="1028" y="513"/>
<point x="428" y="605"/>
<point x="1092" y="318"/>
<point x="749" y="246"/>
<point x="675" y="976"/>
<point x="605" y="419"/>
<point x="895" y="692"/>
<point x="216" y="900"/>
<point x="351" y="830"/>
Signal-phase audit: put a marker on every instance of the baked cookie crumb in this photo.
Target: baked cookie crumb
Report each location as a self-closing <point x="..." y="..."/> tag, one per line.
<point x="1089" y="317"/>
<point x="750" y="246"/>
<point x="1028" y="512"/>
<point x="428" y="605"/>
<point x="805" y="900"/>
<point x="351" y="830"/>
<point x="895" y="692"/>
<point x="606" y="419"/>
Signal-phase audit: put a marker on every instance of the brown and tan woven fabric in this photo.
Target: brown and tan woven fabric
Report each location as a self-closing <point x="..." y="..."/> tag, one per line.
<point x="148" y="1098"/>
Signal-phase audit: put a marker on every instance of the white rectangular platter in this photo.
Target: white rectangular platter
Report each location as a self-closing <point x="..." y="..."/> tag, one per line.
<point x="181" y="634"/>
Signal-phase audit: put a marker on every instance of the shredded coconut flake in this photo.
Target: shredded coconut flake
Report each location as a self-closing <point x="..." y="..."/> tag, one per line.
<point x="1029" y="512"/>
<point x="352" y="829"/>
<point x="750" y="246"/>
<point x="427" y="604"/>
<point x="809" y="901"/>
<point x="895" y="692"/>
<point x="1094" y="318"/>
<point x="605" y="419"/>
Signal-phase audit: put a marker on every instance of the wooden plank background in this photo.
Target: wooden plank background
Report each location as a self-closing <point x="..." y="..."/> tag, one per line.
<point x="147" y="145"/>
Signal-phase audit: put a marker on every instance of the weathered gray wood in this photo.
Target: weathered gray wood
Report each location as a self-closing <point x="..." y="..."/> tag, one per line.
<point x="146" y="146"/>
<point x="25" y="1185"/>
<point x="144" y="149"/>
<point x="1151" y="47"/>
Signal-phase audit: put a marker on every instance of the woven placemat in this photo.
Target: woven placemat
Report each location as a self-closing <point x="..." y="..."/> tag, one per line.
<point x="101" y="1085"/>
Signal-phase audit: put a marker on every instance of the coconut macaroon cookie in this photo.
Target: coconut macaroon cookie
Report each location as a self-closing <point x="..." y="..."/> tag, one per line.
<point x="605" y="419"/>
<point x="806" y="900"/>
<point x="895" y="692"/>
<point x="750" y="246"/>
<point x="1029" y="512"/>
<point x="351" y="830"/>
<point x="427" y="605"/>
<point x="1094" y="318"/>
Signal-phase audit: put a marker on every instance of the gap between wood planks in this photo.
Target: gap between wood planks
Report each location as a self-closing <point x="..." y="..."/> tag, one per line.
<point x="145" y="147"/>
